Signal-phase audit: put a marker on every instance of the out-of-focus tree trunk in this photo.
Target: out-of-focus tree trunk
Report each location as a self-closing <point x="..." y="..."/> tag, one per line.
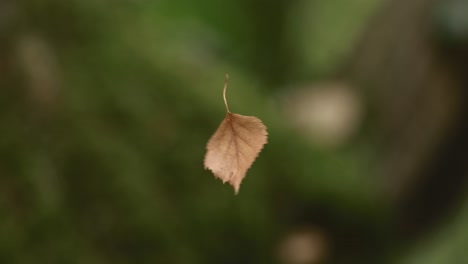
<point x="418" y="94"/>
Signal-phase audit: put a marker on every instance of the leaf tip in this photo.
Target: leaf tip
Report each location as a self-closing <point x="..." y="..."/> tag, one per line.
<point x="236" y="190"/>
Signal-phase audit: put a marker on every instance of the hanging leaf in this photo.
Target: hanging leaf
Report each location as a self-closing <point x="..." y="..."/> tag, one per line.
<point x="234" y="146"/>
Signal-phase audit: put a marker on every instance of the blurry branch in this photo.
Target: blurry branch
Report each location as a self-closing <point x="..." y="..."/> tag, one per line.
<point x="40" y="69"/>
<point x="272" y="52"/>
<point x="30" y="86"/>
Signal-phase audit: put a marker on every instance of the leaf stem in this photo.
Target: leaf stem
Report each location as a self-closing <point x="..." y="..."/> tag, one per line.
<point x="224" y="93"/>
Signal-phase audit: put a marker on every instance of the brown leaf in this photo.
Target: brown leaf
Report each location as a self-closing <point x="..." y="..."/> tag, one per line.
<point x="234" y="146"/>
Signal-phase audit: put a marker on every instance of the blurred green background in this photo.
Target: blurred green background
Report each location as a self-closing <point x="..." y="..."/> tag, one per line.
<point x="106" y="108"/>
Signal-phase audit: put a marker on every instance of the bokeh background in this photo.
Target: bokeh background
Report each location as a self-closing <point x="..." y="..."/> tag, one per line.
<point x="106" y="108"/>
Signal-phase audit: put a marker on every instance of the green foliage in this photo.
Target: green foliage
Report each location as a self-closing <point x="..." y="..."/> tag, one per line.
<point x="111" y="170"/>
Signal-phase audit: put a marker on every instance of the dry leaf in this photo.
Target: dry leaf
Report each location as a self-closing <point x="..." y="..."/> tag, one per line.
<point x="234" y="146"/>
